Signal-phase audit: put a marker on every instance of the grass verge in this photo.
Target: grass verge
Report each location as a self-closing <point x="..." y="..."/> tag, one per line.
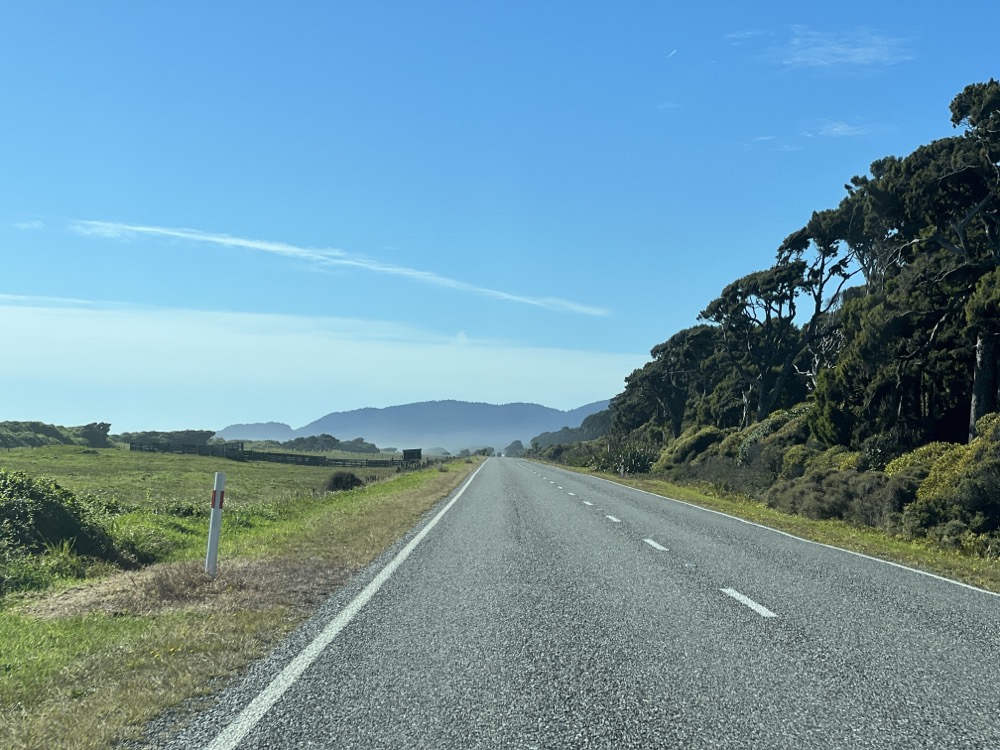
<point x="88" y="665"/>
<point x="980" y="572"/>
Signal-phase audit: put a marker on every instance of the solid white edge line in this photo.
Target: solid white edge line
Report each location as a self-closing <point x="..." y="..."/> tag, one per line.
<point x="760" y="609"/>
<point x="655" y="545"/>
<point x="250" y="716"/>
<point x="935" y="576"/>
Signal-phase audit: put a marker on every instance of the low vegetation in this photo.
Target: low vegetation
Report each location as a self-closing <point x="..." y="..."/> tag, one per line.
<point x="107" y="618"/>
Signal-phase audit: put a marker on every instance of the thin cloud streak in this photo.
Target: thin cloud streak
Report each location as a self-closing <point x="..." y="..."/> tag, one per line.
<point x="329" y="257"/>
<point x="860" y="48"/>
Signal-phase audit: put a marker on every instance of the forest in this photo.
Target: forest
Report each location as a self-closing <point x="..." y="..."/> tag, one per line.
<point x="856" y="376"/>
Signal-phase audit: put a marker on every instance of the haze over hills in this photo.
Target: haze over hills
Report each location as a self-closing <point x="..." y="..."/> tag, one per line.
<point x="450" y="424"/>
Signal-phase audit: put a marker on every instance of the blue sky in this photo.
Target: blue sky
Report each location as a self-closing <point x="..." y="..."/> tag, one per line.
<point x="237" y="211"/>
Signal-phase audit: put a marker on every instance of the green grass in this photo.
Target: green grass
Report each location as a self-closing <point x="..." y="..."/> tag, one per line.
<point x="150" y="479"/>
<point x="88" y="682"/>
<point x="87" y="665"/>
<point x="976" y="571"/>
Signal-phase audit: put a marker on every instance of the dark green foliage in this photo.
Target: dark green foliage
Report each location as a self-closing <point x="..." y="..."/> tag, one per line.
<point x="326" y="442"/>
<point x="626" y="456"/>
<point x="176" y="437"/>
<point x="570" y="454"/>
<point x="36" y="434"/>
<point x="868" y="498"/>
<point x="592" y="427"/>
<point x="514" y="449"/>
<point x="690" y="445"/>
<point x="342" y="480"/>
<point x="36" y="514"/>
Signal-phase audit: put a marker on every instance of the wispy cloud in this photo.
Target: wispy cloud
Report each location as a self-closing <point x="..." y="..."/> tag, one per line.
<point x="738" y="38"/>
<point x="840" y="130"/>
<point x="30" y="224"/>
<point x="329" y="257"/>
<point x="858" y="48"/>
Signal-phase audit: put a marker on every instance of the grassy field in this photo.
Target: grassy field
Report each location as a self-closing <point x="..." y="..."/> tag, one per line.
<point x="84" y="664"/>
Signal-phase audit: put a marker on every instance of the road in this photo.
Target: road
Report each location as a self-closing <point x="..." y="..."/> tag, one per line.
<point x="547" y="609"/>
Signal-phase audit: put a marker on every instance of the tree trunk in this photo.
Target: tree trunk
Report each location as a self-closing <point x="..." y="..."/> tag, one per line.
<point x="984" y="380"/>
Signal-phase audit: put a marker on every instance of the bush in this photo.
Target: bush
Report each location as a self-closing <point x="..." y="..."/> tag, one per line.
<point x="688" y="446"/>
<point x="342" y="480"/>
<point x="793" y="464"/>
<point x="868" y="498"/>
<point x="38" y="514"/>
<point x="789" y="425"/>
<point x="917" y="463"/>
<point x="988" y="427"/>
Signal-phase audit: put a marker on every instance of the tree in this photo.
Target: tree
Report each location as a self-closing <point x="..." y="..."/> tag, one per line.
<point x="945" y="196"/>
<point x="756" y="315"/>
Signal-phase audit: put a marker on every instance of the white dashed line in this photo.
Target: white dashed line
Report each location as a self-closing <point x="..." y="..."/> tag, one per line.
<point x="760" y="609"/>
<point x="558" y="487"/>
<point x="571" y="494"/>
<point x="586" y="503"/>
<point x="655" y="545"/>
<point x="613" y="519"/>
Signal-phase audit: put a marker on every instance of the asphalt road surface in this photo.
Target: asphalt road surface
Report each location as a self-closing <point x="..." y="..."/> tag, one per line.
<point x="546" y="609"/>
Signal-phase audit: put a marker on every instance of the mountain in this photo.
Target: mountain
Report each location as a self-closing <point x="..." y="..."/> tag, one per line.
<point x="452" y="424"/>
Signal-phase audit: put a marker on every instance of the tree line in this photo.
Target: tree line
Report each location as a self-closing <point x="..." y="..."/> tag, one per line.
<point x="872" y="337"/>
<point x="882" y="311"/>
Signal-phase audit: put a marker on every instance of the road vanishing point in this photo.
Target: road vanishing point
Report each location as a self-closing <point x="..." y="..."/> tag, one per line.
<point x="540" y="608"/>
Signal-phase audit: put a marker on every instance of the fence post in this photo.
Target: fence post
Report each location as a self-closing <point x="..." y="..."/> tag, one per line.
<point x="215" y="522"/>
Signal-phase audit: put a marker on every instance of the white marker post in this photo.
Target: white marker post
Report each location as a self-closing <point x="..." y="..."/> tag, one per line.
<point x="215" y="522"/>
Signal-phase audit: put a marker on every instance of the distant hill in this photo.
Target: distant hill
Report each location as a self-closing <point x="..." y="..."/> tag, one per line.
<point x="452" y="424"/>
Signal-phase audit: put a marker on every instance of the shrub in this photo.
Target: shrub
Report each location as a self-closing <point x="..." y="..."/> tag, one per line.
<point x="38" y="514"/>
<point x="342" y="480"/>
<point x="917" y="463"/>
<point x="688" y="446"/>
<point x="837" y="457"/>
<point x="793" y="463"/>
<point x="945" y="473"/>
<point x="868" y="498"/>
<point x="625" y="457"/>
<point x="789" y="425"/>
<point x="988" y="426"/>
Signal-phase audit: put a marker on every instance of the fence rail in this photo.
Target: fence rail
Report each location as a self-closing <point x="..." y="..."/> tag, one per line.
<point x="236" y="452"/>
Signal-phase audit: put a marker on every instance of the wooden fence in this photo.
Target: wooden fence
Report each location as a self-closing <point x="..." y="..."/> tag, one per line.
<point x="236" y="452"/>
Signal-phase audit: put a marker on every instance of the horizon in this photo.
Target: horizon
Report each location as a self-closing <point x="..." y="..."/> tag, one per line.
<point x="228" y="214"/>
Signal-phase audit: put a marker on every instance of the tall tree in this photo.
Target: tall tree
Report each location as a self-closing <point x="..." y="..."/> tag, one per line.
<point x="945" y="196"/>
<point x="756" y="315"/>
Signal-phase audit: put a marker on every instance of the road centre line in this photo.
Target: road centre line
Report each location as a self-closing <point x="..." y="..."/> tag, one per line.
<point x="613" y="519"/>
<point x="760" y="609"/>
<point x="571" y="494"/>
<point x="655" y="545"/>
<point x="586" y="503"/>
<point x="249" y="717"/>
